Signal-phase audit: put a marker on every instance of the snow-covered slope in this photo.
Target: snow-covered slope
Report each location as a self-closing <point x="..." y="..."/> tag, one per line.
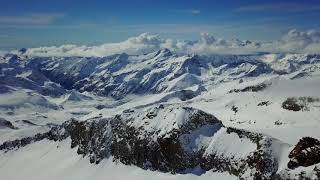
<point x="187" y="114"/>
<point x="120" y="75"/>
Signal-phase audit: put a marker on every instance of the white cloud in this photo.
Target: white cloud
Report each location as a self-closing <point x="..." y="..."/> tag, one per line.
<point x="292" y="42"/>
<point x="143" y="43"/>
<point x="280" y="7"/>
<point x="189" y="11"/>
<point x="31" y="19"/>
<point x="2" y="53"/>
<point x="301" y="41"/>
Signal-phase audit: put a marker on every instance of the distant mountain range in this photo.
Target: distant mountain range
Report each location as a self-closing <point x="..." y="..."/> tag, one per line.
<point x="251" y="116"/>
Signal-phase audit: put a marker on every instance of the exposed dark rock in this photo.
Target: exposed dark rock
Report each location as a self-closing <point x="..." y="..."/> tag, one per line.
<point x="254" y="137"/>
<point x="186" y="94"/>
<point x="164" y="154"/>
<point x="92" y="138"/>
<point x="128" y="144"/>
<point x="10" y="113"/>
<point x="23" y="50"/>
<point x="261" y="159"/>
<point x="278" y="123"/>
<point x="299" y="103"/>
<point x="220" y="164"/>
<point x="305" y="153"/>
<point x="235" y="109"/>
<point x="264" y="103"/>
<point x="56" y="133"/>
<point x="255" y="88"/>
<point x="134" y="145"/>
<point x="292" y="105"/>
<point x="317" y="172"/>
<point x="29" y="122"/>
<point x="6" y="124"/>
<point x="100" y="106"/>
<point x="265" y="165"/>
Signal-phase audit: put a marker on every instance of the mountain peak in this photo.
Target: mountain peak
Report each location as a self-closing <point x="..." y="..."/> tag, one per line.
<point x="163" y="53"/>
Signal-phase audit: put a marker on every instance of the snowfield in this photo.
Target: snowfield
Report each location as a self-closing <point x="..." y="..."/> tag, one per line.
<point x="219" y="116"/>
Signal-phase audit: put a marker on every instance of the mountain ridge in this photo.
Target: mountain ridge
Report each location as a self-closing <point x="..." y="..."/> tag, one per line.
<point x="121" y="74"/>
<point x="187" y="114"/>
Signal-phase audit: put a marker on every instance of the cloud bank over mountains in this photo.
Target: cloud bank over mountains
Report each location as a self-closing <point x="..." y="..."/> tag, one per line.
<point x="293" y="42"/>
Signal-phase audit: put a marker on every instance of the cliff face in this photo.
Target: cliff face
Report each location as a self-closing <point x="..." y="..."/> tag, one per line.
<point x="169" y="139"/>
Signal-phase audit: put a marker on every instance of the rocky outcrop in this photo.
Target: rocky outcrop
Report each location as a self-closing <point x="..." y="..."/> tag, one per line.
<point x="299" y="103"/>
<point x="173" y="139"/>
<point x="292" y="104"/>
<point x="305" y="153"/>
<point x="264" y="103"/>
<point x="56" y="133"/>
<point x="93" y="138"/>
<point x="259" y="162"/>
<point x="254" y="88"/>
<point x="6" y="124"/>
<point x="154" y="150"/>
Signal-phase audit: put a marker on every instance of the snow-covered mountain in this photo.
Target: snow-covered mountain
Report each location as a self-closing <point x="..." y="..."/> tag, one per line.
<point x="198" y="116"/>
<point x="162" y="71"/>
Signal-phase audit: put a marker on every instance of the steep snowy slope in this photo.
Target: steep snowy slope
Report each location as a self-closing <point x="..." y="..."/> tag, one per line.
<point x="14" y="73"/>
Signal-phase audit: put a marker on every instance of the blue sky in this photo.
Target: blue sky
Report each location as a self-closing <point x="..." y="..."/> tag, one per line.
<point x="32" y="23"/>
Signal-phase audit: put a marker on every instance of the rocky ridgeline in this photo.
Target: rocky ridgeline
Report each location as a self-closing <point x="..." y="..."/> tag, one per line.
<point x="255" y="88"/>
<point x="175" y="139"/>
<point x="163" y="71"/>
<point x="257" y="163"/>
